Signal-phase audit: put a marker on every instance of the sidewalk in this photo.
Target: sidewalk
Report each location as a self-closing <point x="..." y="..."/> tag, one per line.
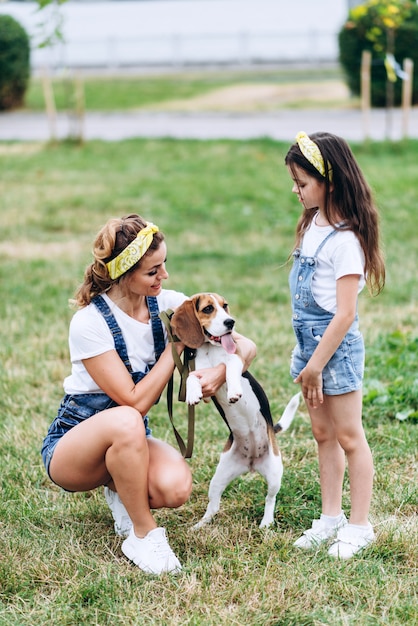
<point x="280" y="125"/>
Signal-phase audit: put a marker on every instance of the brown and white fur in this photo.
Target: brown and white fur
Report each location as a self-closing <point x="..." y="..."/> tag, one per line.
<point x="203" y="322"/>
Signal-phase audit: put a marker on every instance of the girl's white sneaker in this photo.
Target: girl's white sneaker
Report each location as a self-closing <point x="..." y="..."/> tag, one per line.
<point x="322" y="529"/>
<point x="350" y="540"/>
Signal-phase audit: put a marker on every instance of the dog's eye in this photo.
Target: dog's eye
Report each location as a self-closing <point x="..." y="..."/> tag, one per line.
<point x="208" y="309"/>
<point x="225" y="307"/>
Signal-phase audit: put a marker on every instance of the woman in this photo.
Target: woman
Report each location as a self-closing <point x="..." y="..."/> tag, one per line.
<point x="120" y="366"/>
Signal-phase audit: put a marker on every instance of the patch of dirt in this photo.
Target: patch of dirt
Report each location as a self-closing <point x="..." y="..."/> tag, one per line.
<point x="35" y="250"/>
<point x="21" y="148"/>
<point x="260" y="96"/>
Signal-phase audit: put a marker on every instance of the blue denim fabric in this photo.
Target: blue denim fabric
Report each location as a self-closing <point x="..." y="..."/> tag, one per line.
<point x="344" y="371"/>
<point x="73" y="410"/>
<point x="77" y="408"/>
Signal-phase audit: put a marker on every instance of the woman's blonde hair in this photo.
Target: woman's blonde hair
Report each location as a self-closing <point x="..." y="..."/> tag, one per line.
<point x="112" y="238"/>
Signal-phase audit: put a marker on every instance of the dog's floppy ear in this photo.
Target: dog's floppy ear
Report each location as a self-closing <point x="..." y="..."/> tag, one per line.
<point x="186" y="326"/>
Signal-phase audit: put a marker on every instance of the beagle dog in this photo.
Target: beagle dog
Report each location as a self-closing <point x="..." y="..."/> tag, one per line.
<point x="204" y="323"/>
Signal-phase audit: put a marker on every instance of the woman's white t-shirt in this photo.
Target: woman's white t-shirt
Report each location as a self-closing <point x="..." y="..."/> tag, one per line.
<point x="340" y="256"/>
<point x="90" y="336"/>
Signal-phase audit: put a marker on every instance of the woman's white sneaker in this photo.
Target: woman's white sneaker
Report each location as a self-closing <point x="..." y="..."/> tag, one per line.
<point x="152" y="553"/>
<point x="123" y="523"/>
<point x="321" y="530"/>
<point x="350" y="540"/>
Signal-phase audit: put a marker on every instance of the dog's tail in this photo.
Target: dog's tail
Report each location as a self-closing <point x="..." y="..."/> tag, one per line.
<point x="288" y="414"/>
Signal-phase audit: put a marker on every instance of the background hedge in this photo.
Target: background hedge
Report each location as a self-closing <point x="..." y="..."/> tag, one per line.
<point x="14" y="63"/>
<point x="353" y="40"/>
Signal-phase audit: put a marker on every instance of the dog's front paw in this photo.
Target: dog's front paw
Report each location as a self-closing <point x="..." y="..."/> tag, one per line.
<point x="266" y="522"/>
<point x="235" y="398"/>
<point x="193" y="399"/>
<point x="234" y="394"/>
<point x="203" y="522"/>
<point x="193" y="390"/>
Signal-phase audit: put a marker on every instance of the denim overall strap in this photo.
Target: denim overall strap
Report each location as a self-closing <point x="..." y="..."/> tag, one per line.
<point x="114" y="328"/>
<point x="303" y="302"/>
<point x="120" y="345"/>
<point x="157" y="327"/>
<point x="297" y="252"/>
<point x="324" y="241"/>
<point x="344" y="371"/>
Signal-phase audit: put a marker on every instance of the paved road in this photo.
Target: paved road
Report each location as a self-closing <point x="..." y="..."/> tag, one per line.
<point x="280" y="125"/>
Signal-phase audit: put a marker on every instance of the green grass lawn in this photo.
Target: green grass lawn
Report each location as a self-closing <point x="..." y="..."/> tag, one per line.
<point x="229" y="218"/>
<point x="124" y="91"/>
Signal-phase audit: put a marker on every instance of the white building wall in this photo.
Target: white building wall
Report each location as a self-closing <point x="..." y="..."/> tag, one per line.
<point x="178" y="32"/>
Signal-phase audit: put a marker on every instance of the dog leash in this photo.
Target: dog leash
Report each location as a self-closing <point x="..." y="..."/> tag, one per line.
<point x="184" y="368"/>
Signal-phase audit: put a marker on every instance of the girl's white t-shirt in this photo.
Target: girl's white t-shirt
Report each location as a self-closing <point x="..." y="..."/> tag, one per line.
<point x="340" y="256"/>
<point x="89" y="336"/>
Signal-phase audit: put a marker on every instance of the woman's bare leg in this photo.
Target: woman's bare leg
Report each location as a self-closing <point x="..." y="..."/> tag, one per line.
<point x="111" y="448"/>
<point x="169" y="477"/>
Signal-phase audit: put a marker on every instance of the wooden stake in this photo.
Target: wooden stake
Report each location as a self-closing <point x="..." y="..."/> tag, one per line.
<point x="390" y="86"/>
<point x="79" y="106"/>
<point x="366" y="60"/>
<point x="49" y="104"/>
<point x="407" y="84"/>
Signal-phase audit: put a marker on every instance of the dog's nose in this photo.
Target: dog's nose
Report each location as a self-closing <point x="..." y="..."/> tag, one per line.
<point x="229" y="323"/>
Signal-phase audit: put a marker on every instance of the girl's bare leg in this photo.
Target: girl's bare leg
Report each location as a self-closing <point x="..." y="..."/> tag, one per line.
<point x="346" y="412"/>
<point x="331" y="460"/>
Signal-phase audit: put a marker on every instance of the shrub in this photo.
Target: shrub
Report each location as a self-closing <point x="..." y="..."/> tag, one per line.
<point x="14" y="62"/>
<point x="381" y="26"/>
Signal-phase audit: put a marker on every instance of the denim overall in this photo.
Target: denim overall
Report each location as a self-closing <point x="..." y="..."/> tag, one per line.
<point x="344" y="371"/>
<point x="76" y="408"/>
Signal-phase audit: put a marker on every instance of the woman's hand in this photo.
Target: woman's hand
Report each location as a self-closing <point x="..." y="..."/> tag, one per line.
<point x="211" y="378"/>
<point x="246" y="348"/>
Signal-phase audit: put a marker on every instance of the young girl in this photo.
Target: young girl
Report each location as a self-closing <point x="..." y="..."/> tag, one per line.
<point x="336" y="253"/>
<point x="120" y="366"/>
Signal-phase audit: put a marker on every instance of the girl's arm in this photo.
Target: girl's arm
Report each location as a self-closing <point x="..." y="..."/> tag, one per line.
<point x="111" y="375"/>
<point x="310" y="377"/>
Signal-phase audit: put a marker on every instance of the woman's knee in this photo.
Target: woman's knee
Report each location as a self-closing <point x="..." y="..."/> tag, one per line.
<point x="171" y="487"/>
<point x="128" y="425"/>
<point x="183" y="488"/>
<point x="178" y="486"/>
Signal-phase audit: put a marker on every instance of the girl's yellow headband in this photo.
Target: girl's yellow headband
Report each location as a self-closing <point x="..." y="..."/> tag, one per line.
<point x="312" y="153"/>
<point x="133" y="252"/>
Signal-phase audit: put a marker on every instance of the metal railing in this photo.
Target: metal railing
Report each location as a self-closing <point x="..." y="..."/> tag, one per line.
<point x="179" y="50"/>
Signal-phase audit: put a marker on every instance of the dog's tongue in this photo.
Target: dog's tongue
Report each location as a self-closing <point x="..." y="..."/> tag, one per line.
<point x="228" y="343"/>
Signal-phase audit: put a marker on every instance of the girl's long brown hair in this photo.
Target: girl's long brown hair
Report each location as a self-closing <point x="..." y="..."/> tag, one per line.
<point x="352" y="201"/>
<point x="114" y="237"/>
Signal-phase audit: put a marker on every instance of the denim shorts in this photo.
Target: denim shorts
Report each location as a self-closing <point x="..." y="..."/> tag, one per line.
<point x="73" y="410"/>
<point x="344" y="371"/>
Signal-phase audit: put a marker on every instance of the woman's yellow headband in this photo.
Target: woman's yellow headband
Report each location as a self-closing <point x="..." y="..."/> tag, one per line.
<point x="312" y="153"/>
<point x="133" y="252"/>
